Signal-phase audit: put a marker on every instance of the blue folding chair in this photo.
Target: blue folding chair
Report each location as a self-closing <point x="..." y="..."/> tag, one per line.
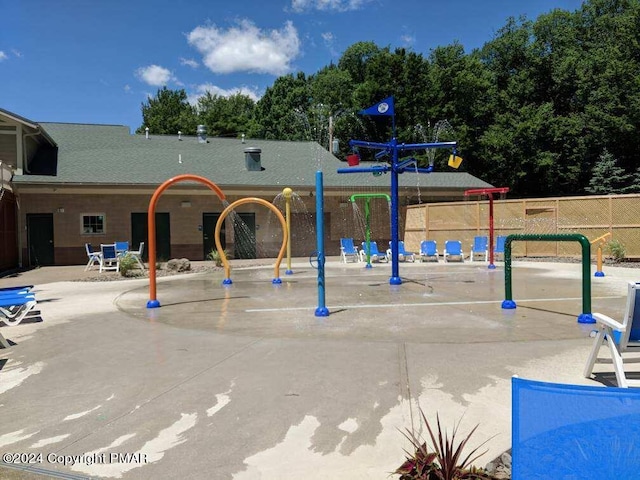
<point x="348" y="250"/>
<point x="480" y="247"/>
<point x="428" y="250"/>
<point x="453" y="248"/>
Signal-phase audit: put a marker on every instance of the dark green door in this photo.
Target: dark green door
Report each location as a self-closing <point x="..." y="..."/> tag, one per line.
<point x="40" y="239"/>
<point x="245" y="236"/>
<point x="140" y="233"/>
<point x="209" y="221"/>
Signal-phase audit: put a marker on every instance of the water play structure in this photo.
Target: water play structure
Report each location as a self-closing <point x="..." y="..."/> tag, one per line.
<point x="396" y="166"/>
<point x="489" y="193"/>
<point x="223" y="257"/>
<point x="367" y="217"/>
<point x="509" y="303"/>
<point x="151" y="224"/>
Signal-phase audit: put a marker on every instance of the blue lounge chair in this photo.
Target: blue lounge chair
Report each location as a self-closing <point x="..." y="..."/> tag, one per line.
<point x="621" y="337"/>
<point x="428" y="250"/>
<point x="16" y="290"/>
<point x="480" y="247"/>
<point x="375" y="255"/>
<point x="348" y="250"/>
<point x="16" y="307"/>
<point x="453" y="248"/>
<point x="591" y="431"/>
<point x="402" y="253"/>
<point x="500" y="241"/>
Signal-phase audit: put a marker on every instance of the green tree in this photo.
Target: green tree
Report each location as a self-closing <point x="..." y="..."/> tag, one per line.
<point x="167" y="113"/>
<point x="281" y="113"/>
<point x="226" y="116"/>
<point x="609" y="178"/>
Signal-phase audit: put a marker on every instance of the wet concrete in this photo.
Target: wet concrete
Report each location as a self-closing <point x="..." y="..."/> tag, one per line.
<point x="246" y="382"/>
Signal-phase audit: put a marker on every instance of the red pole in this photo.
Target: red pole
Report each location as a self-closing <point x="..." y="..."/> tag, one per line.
<point x="491" y="265"/>
<point x="489" y="192"/>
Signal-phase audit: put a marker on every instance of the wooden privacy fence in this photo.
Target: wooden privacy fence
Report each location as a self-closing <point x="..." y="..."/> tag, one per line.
<point x="591" y="216"/>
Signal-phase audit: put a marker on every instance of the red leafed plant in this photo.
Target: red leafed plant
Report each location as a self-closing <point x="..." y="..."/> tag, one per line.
<point x="446" y="461"/>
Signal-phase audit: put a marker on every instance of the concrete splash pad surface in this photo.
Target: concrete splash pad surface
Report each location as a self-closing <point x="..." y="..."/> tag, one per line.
<point x="435" y="304"/>
<point x="245" y="382"/>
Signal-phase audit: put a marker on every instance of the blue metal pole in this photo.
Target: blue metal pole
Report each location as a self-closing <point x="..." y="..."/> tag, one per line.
<point x="322" y="310"/>
<point x="395" y="200"/>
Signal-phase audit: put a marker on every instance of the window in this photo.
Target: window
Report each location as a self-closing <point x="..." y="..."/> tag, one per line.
<point x="93" y="223"/>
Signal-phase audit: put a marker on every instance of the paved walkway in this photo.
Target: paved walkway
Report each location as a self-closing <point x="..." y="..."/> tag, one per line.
<point x="245" y="382"/>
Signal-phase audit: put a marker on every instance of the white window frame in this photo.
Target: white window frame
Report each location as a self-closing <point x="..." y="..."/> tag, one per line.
<point x="104" y="223"/>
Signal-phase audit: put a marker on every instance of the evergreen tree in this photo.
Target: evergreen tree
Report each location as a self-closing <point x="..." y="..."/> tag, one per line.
<point x="609" y="178"/>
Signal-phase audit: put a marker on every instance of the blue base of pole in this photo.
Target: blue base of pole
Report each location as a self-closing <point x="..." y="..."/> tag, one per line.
<point x="288" y="272"/>
<point x="153" y="304"/>
<point x="395" y="281"/>
<point x="368" y="265"/>
<point x="492" y="266"/>
<point x="322" y="312"/>
<point x="598" y="274"/>
<point x="508" y="304"/>
<point x="586" y="318"/>
<point x="276" y="281"/>
<point x="227" y="281"/>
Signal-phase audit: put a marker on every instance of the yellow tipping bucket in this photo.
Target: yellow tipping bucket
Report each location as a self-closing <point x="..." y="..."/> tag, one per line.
<point x="454" y="161"/>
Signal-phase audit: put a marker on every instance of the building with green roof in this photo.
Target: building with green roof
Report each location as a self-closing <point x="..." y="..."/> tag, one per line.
<point x="67" y="185"/>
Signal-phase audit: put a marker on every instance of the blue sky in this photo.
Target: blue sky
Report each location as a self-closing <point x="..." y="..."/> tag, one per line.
<point x="96" y="61"/>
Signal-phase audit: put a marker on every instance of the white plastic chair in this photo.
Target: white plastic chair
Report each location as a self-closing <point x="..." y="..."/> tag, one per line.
<point x="137" y="254"/>
<point x="621" y="338"/>
<point x="109" y="260"/>
<point x="94" y="257"/>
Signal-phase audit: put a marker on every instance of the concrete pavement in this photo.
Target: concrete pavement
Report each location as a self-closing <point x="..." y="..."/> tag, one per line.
<point x="244" y="382"/>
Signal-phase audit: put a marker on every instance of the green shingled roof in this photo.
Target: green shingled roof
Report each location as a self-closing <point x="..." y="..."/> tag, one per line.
<point x="109" y="155"/>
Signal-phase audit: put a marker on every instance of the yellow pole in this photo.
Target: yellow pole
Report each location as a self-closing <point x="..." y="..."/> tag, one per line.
<point x="287" y="192"/>
<point x="223" y="256"/>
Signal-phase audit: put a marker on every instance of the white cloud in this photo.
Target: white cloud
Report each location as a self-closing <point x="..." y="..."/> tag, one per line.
<point x="127" y="88"/>
<point x="200" y="90"/>
<point x="189" y="62"/>
<point x="246" y="48"/>
<point x="17" y="53"/>
<point x="155" y="75"/>
<point x="3" y="56"/>
<point x="330" y="42"/>
<point x="408" y="39"/>
<point x="327" y="5"/>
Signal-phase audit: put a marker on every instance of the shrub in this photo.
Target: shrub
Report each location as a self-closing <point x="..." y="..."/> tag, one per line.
<point x="127" y="264"/>
<point x="215" y="256"/>
<point x="445" y="462"/>
<point x="615" y="248"/>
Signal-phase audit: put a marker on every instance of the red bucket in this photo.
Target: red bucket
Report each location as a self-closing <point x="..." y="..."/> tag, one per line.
<point x="353" y="160"/>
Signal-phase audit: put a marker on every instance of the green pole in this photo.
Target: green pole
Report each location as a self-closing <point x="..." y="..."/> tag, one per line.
<point x="367" y="197"/>
<point x="367" y="231"/>
<point x="508" y="303"/>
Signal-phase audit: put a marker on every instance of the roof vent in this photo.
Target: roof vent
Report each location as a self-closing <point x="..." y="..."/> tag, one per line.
<point x="202" y="134"/>
<point x="146" y="133"/>
<point x="252" y="159"/>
